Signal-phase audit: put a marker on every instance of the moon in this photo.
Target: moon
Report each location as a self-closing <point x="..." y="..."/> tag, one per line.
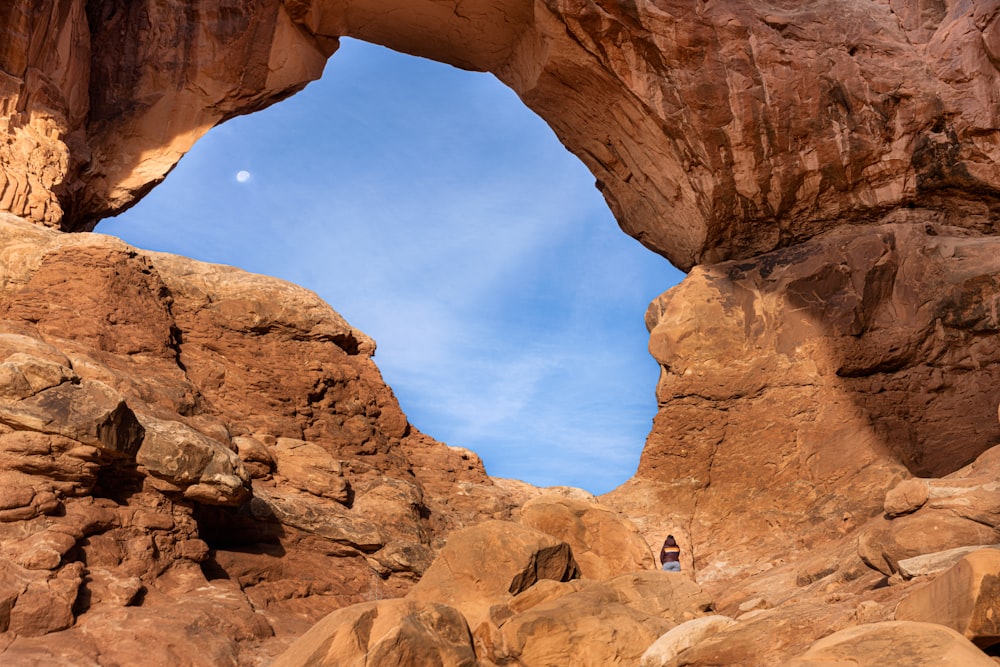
<point x="243" y="176"/>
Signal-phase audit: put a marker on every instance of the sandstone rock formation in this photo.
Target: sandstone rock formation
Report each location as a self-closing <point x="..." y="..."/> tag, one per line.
<point x="715" y="131"/>
<point x="829" y="387"/>
<point x="386" y="632"/>
<point x="597" y="624"/>
<point x="898" y="643"/>
<point x="604" y="544"/>
<point x="517" y="589"/>
<point x="488" y="564"/>
<point x="158" y="475"/>
<point x="964" y="598"/>
<point x="953" y="512"/>
<point x="681" y="638"/>
<point x="834" y="370"/>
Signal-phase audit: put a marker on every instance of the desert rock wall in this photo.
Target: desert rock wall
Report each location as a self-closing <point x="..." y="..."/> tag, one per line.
<point x="189" y="445"/>
<point x="798" y="387"/>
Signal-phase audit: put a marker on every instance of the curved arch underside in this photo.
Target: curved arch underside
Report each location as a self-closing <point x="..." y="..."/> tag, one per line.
<point x="716" y="130"/>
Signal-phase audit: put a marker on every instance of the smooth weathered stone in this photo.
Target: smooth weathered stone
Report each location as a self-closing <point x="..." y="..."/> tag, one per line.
<point x="407" y="633"/>
<point x="896" y="643"/>
<point x="681" y="638"/>
<point x="938" y="562"/>
<point x="964" y="598"/>
<point x="488" y="564"/>
<point x="604" y="543"/>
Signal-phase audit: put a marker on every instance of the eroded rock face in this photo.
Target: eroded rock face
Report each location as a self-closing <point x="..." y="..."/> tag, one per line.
<point x="590" y="626"/>
<point x="517" y="589"/>
<point x="715" y="131"/>
<point x="190" y="446"/>
<point x="963" y="598"/>
<point x="387" y="632"/>
<point x="934" y="516"/>
<point x="799" y="387"/>
<point x="604" y="544"/>
<point x="86" y="85"/>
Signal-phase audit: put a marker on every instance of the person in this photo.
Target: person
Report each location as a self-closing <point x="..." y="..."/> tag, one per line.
<point x="670" y="555"/>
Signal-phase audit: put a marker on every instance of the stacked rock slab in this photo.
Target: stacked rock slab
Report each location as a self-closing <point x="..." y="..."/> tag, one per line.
<point x="188" y="446"/>
<point x="964" y="598"/>
<point x="897" y="643"/>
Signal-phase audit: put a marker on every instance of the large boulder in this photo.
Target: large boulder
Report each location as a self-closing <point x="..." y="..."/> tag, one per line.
<point x="87" y="411"/>
<point x="681" y="638"/>
<point x="406" y="633"/>
<point x="935" y="515"/>
<point x="587" y="628"/>
<point x="604" y="543"/>
<point x="894" y="644"/>
<point x="310" y="468"/>
<point x="882" y="543"/>
<point x="965" y="598"/>
<point x="937" y="562"/>
<point x="593" y="623"/>
<point x="488" y="564"/>
<point x="764" y="637"/>
<point x="182" y="460"/>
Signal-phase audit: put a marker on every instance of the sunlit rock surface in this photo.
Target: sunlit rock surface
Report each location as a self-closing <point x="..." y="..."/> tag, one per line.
<point x="716" y="130"/>
<point x="797" y="388"/>
<point x="211" y="460"/>
<point x="187" y="445"/>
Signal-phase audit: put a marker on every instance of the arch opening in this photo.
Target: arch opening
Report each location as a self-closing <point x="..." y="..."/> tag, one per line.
<point x="439" y="215"/>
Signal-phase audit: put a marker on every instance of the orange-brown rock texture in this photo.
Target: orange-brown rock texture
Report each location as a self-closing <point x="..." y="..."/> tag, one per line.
<point x="717" y="130"/>
<point x="198" y="464"/>
<point x="158" y="475"/>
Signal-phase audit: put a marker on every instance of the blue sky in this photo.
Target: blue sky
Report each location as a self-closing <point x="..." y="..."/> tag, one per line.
<point x="440" y="216"/>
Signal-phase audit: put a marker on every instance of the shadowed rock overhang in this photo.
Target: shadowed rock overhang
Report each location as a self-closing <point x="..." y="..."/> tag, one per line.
<point x="715" y="130"/>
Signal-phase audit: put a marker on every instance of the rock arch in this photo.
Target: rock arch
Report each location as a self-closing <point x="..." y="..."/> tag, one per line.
<point x="715" y="130"/>
<point x="830" y="169"/>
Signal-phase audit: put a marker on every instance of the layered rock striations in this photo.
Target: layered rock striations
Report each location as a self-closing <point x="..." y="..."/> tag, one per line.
<point x="101" y="99"/>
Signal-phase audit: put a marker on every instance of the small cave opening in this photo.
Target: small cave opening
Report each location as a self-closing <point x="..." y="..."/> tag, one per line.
<point x="440" y="216"/>
<point x="232" y="536"/>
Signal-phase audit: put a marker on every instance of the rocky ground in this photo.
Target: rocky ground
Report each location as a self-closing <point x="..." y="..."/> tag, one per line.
<point x="199" y="466"/>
